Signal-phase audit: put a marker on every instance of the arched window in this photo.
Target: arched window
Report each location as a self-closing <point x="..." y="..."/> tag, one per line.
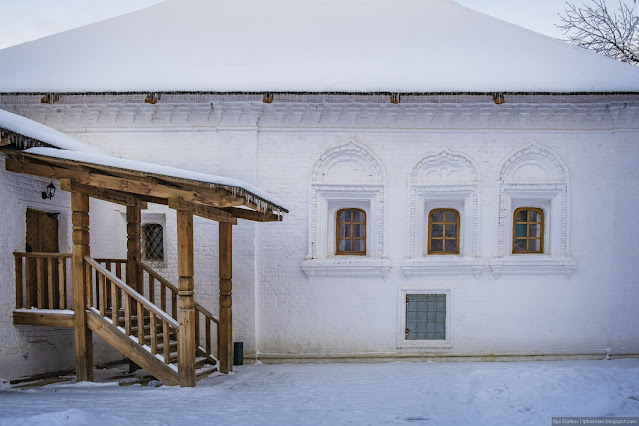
<point x="528" y="230"/>
<point x="152" y="241"/>
<point x="351" y="232"/>
<point x="443" y="231"/>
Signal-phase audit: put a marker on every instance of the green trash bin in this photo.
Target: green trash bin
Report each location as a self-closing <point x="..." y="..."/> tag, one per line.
<point x="238" y="353"/>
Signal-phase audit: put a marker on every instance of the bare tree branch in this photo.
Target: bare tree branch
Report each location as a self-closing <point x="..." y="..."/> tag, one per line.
<point x="594" y="27"/>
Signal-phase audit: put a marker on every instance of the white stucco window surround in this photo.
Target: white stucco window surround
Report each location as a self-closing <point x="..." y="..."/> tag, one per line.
<point x="534" y="176"/>
<point x="346" y="176"/>
<point x="444" y="180"/>
<point x="403" y="332"/>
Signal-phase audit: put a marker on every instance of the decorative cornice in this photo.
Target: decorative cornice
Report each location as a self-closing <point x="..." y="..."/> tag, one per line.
<point x="348" y="151"/>
<point x="442" y="265"/>
<point x="536" y="265"/>
<point x="440" y="160"/>
<point x="582" y="116"/>
<point x="538" y="154"/>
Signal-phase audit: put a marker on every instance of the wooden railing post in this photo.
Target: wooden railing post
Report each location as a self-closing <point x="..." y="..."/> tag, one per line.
<point x="225" y="327"/>
<point x="134" y="247"/>
<point x="83" y="336"/>
<point x="186" y="303"/>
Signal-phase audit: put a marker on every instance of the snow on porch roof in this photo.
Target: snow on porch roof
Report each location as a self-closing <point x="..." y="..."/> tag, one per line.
<point x="239" y="188"/>
<point x="23" y="133"/>
<point x="28" y="133"/>
<point x="421" y="46"/>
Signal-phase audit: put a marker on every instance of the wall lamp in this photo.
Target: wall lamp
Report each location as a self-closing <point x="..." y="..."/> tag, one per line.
<point x="50" y="191"/>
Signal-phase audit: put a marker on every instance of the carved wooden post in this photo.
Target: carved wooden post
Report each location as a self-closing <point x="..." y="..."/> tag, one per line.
<point x="186" y="304"/>
<point x="134" y="247"/>
<point x="225" y="343"/>
<point x="83" y="336"/>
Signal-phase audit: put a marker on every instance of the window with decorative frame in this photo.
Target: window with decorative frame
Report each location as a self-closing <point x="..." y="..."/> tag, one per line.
<point x="528" y="230"/>
<point x="443" y="231"/>
<point x="425" y="318"/>
<point x="350" y="232"/>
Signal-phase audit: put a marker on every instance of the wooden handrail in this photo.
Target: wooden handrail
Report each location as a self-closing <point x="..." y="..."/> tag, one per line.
<point x="174" y="289"/>
<point x="131" y="292"/>
<point x="41" y="254"/>
<point x="110" y="260"/>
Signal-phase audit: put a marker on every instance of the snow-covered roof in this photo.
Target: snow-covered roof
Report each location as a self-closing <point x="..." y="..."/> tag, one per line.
<point x="30" y="133"/>
<point x="313" y="45"/>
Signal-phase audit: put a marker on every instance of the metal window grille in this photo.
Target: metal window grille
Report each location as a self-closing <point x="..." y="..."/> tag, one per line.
<point x="425" y="317"/>
<point x="153" y="241"/>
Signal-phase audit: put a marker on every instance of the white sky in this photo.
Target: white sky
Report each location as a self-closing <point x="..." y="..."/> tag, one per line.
<point x="25" y="20"/>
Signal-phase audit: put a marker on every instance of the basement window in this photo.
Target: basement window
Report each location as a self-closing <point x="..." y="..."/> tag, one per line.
<point x="425" y="317"/>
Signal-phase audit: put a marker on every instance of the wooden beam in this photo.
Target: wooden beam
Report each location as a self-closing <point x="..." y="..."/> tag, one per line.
<point x="225" y="344"/>
<point x="206" y="212"/>
<point x="44" y="319"/>
<point x="256" y="216"/>
<point x="109" y="195"/>
<point x="186" y="304"/>
<point x="30" y="166"/>
<point x="134" y="248"/>
<point x="81" y="248"/>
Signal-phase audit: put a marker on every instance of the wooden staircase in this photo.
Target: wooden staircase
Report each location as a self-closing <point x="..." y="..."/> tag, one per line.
<point x="145" y="332"/>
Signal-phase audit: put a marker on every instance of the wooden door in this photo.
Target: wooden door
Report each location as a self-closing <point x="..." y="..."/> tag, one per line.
<point x="41" y="237"/>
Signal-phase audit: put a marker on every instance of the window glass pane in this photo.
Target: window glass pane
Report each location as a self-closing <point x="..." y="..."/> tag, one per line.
<point x="436" y="245"/>
<point x="426" y="317"/>
<point x="344" y="245"/>
<point x="358" y="216"/>
<point x="534" y="230"/>
<point x="436" y="231"/>
<point x="153" y="241"/>
<point x="344" y="230"/>
<point x="451" y="216"/>
<point x="534" y="245"/>
<point x="520" y="245"/>
<point x="451" y="246"/>
<point x="534" y="216"/>
<point x="345" y="216"/>
<point x="359" y="230"/>
<point x="358" y="245"/>
<point x="521" y="216"/>
<point x="520" y="230"/>
<point x="437" y="216"/>
<point x="451" y="231"/>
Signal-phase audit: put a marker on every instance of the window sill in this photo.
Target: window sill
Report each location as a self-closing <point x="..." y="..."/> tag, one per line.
<point x="442" y="265"/>
<point x="533" y="264"/>
<point x="347" y="266"/>
<point x="424" y="344"/>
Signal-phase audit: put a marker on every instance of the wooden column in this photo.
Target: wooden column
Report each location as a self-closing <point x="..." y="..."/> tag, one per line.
<point x="186" y="304"/>
<point x="133" y="247"/>
<point x="83" y="336"/>
<point x="225" y="344"/>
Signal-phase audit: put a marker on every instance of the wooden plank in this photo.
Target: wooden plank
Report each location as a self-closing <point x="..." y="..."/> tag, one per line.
<point x="131" y="350"/>
<point x="41" y="319"/>
<point x="29" y="281"/>
<point x="50" y="282"/>
<point x="115" y="305"/>
<point x="19" y="292"/>
<point x="225" y="326"/>
<point x="152" y="289"/>
<point x="153" y="327"/>
<point x="102" y="295"/>
<point x="127" y="313"/>
<point x="112" y="196"/>
<point x="206" y="212"/>
<point x="40" y="287"/>
<point x="140" y="312"/>
<point x="208" y="336"/>
<point x="166" y="342"/>
<point x="253" y="215"/>
<point x="33" y="254"/>
<point x="83" y="336"/>
<point x="62" y="283"/>
<point x="186" y="304"/>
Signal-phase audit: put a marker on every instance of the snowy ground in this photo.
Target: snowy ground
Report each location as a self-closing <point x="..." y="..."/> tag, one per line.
<point x="394" y="393"/>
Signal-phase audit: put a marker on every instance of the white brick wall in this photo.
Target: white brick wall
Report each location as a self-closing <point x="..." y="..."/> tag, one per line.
<point x="278" y="311"/>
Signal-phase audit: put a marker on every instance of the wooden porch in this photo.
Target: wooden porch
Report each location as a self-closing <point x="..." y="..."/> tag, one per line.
<point x="155" y="323"/>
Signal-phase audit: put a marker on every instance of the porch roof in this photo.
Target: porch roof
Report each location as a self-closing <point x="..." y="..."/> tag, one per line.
<point x="128" y="182"/>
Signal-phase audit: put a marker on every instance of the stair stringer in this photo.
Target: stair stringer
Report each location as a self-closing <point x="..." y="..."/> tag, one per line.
<point x="131" y="349"/>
